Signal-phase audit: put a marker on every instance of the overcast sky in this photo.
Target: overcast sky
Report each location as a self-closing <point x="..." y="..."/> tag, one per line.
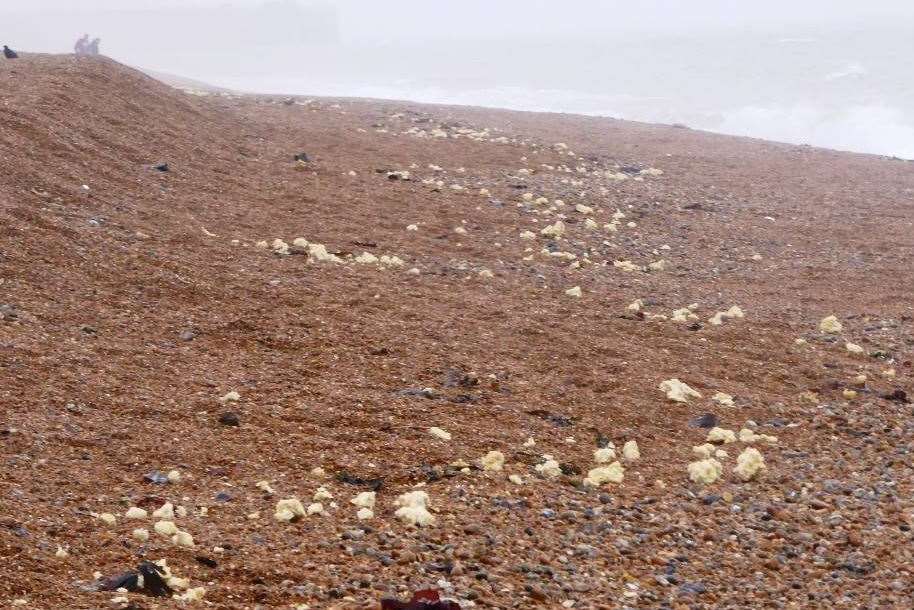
<point x="424" y="19"/>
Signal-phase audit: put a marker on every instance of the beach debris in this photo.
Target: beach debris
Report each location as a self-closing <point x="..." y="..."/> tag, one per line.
<point x="830" y="325"/>
<point x="322" y="494"/>
<point x="493" y="460"/>
<point x="147" y="578"/>
<point x="704" y="451"/>
<point x="107" y="518"/>
<point x="164" y="512"/>
<point x="135" y="512"/>
<point x="440" y="433"/>
<point x="683" y="315"/>
<point x="191" y="595"/>
<point x="583" y="209"/>
<point x="749" y="463"/>
<point x="677" y="391"/>
<point x="721" y="435"/>
<point x="365" y="499"/>
<point x="280" y="247"/>
<point x="555" y="230"/>
<point x="747" y="435"/>
<point x="414" y="509"/>
<point x="366" y="258"/>
<point x="183" y="539"/>
<point x="550" y="468"/>
<point x="630" y="451"/>
<point x="627" y="266"/>
<point x="299" y="246"/>
<point x="319" y="253"/>
<point x="723" y="399"/>
<point x="614" y="473"/>
<point x="140" y="534"/>
<point x="734" y="312"/>
<point x="658" y="265"/>
<point x="853" y="348"/>
<point x="574" y="292"/>
<point x="288" y="510"/>
<point x="165" y="528"/>
<point x="705" y="471"/>
<point x="604" y="455"/>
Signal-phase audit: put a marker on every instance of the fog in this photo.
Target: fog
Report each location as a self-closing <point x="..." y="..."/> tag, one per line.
<point x="834" y="73"/>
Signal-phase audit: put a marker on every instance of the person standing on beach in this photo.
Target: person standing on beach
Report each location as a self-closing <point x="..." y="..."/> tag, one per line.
<point x="92" y="49"/>
<point x="82" y="45"/>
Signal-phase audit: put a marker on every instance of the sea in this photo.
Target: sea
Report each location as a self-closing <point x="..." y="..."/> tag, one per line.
<point x="850" y="90"/>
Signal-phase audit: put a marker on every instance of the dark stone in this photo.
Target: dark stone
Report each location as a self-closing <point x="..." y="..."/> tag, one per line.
<point x="153" y="583"/>
<point x="899" y="396"/>
<point x="560" y="421"/>
<point x="423" y="392"/>
<point x="708" y="420"/>
<point x="349" y="479"/>
<point x="229" y="419"/>
<point x="206" y="561"/>
<point x="569" y="469"/>
<point x="155" y="477"/>
<point x="693" y="588"/>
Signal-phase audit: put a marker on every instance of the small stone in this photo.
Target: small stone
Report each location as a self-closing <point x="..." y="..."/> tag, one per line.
<point x="229" y="419"/>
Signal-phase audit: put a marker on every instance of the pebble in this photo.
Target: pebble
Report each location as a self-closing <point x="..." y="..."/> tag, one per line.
<point x="229" y="418"/>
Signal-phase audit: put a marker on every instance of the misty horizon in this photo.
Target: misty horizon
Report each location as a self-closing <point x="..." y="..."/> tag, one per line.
<point x="830" y="74"/>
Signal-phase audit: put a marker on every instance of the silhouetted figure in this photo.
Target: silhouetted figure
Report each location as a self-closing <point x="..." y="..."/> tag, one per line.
<point x="9" y="53"/>
<point x="82" y="45"/>
<point x="93" y="46"/>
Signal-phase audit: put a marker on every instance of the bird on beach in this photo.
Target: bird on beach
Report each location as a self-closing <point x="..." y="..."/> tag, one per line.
<point x="9" y="53"/>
